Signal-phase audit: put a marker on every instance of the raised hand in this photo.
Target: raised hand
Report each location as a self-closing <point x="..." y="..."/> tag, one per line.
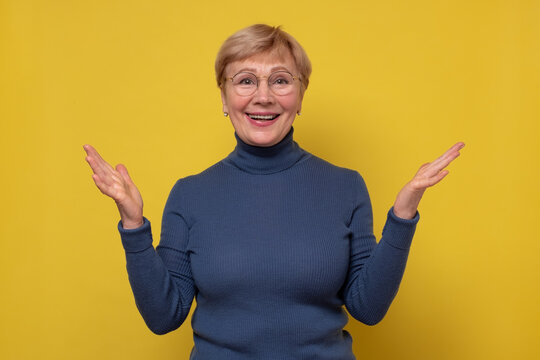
<point x="117" y="184"/>
<point x="428" y="175"/>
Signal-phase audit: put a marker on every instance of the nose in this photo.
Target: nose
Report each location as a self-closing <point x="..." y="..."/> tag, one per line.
<point x="263" y="94"/>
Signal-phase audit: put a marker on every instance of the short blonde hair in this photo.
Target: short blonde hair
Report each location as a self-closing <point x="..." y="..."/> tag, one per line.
<point x="257" y="39"/>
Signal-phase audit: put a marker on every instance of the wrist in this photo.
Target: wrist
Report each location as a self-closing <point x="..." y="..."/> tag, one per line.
<point x="407" y="202"/>
<point x="404" y="214"/>
<point x="132" y="224"/>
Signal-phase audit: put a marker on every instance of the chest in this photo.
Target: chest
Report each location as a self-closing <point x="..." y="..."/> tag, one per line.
<point x="277" y="241"/>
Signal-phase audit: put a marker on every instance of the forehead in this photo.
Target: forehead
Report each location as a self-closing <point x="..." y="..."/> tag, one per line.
<point x="262" y="64"/>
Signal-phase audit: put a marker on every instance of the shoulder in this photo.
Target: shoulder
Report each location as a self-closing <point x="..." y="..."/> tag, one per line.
<point x="338" y="173"/>
<point x="196" y="182"/>
<point x="336" y="181"/>
<point x="194" y="189"/>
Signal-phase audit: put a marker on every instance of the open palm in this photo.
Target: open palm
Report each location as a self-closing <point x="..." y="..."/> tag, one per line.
<point x="117" y="184"/>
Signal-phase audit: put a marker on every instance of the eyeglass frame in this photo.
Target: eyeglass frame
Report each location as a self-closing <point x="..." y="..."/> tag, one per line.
<point x="262" y="77"/>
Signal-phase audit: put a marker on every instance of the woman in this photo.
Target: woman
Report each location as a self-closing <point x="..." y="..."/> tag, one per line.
<point x="272" y="240"/>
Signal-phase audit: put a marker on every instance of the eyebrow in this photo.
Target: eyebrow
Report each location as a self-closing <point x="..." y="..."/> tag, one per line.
<point x="253" y="70"/>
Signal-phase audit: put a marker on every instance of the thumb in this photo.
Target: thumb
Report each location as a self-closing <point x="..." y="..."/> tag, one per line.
<point x="123" y="171"/>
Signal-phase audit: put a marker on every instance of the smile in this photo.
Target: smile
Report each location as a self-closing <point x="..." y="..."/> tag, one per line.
<point x="268" y="117"/>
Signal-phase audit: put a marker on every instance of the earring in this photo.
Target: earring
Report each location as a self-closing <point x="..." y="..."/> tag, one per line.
<point x="299" y="113"/>
<point x="225" y="114"/>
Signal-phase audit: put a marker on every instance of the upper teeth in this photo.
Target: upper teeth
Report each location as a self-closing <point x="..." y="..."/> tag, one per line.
<point x="262" y="117"/>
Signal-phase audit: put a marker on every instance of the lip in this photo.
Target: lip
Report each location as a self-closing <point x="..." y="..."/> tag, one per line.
<point x="261" y="123"/>
<point x="262" y="113"/>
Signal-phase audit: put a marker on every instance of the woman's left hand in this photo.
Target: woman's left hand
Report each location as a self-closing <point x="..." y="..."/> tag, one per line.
<point x="428" y="175"/>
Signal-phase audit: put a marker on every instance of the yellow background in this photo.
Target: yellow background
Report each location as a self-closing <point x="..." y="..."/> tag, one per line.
<point x="395" y="83"/>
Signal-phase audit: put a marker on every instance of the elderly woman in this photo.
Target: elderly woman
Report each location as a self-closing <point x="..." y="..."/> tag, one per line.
<point x="272" y="240"/>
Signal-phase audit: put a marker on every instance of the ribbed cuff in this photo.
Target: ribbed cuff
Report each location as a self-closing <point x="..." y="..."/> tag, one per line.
<point x="399" y="232"/>
<point x="136" y="240"/>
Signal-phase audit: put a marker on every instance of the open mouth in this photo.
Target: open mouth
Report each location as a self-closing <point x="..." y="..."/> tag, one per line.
<point x="268" y="117"/>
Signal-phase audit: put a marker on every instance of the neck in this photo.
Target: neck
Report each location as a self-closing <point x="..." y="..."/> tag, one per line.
<point x="266" y="160"/>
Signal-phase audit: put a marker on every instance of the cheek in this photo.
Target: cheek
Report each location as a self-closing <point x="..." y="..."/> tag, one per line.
<point x="290" y="104"/>
<point x="237" y="103"/>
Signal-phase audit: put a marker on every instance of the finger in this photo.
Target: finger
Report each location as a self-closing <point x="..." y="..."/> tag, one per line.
<point x="124" y="173"/>
<point x="438" y="166"/>
<point x="426" y="182"/>
<point x="106" y="175"/>
<point x="104" y="188"/>
<point x="423" y="167"/>
<point x="445" y="159"/>
<point x="91" y="151"/>
<point x="455" y="148"/>
<point x="96" y="168"/>
<point x="88" y="147"/>
<point x="436" y="179"/>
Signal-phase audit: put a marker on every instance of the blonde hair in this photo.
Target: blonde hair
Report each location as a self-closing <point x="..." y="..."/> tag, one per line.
<point x="257" y="39"/>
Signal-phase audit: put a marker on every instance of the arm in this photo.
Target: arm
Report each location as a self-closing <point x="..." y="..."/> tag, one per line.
<point x="428" y="175"/>
<point x="161" y="280"/>
<point x="376" y="270"/>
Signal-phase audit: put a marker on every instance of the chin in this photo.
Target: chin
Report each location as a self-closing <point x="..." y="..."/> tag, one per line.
<point x="263" y="140"/>
<point x="267" y="138"/>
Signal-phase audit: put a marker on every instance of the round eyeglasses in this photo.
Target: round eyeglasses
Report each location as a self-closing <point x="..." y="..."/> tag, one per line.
<point x="280" y="83"/>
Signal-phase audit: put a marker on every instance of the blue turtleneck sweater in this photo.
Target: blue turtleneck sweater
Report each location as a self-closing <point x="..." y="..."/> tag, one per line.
<point x="272" y="242"/>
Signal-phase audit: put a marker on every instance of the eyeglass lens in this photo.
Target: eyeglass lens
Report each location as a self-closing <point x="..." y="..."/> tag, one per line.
<point x="279" y="82"/>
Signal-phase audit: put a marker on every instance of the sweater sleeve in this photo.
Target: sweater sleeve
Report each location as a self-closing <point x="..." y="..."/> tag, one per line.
<point x="161" y="278"/>
<point x="375" y="269"/>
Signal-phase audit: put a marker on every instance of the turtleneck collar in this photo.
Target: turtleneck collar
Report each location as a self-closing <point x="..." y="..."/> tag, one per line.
<point x="265" y="160"/>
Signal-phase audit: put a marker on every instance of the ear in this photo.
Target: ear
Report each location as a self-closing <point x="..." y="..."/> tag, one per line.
<point x="299" y="108"/>
<point x="224" y="101"/>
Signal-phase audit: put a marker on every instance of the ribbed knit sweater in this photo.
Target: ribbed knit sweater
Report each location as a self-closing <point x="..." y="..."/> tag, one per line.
<point x="272" y="242"/>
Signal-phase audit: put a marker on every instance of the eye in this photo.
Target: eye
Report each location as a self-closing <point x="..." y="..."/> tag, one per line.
<point x="281" y="81"/>
<point x="245" y="79"/>
<point x="281" y="78"/>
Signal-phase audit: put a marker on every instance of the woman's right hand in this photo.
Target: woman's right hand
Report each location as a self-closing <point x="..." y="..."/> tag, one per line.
<point x="117" y="184"/>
